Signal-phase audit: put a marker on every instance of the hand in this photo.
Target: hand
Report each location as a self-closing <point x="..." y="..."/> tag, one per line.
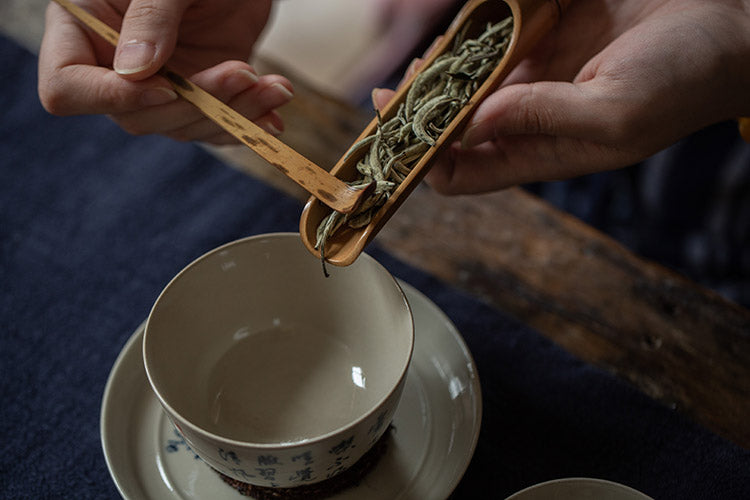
<point x="208" y="41"/>
<point x="615" y="82"/>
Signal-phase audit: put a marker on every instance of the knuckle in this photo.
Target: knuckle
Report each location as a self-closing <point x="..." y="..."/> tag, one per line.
<point x="111" y="101"/>
<point x="113" y="95"/>
<point x="532" y="118"/>
<point x="144" y="10"/>
<point x="53" y="102"/>
<point x="147" y="13"/>
<point x="53" y="95"/>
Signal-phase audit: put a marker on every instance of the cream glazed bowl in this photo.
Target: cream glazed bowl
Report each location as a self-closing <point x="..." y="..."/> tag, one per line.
<point x="274" y="374"/>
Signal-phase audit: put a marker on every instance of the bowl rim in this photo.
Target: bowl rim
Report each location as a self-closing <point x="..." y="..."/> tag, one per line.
<point x="519" y="495"/>
<point x="290" y="445"/>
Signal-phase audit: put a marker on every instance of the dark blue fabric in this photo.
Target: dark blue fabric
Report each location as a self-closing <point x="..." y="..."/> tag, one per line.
<point x="93" y="223"/>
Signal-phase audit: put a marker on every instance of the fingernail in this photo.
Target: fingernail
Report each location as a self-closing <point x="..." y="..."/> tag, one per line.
<point x="249" y="75"/>
<point x="270" y="128"/>
<point x="156" y="96"/>
<point x="240" y="80"/>
<point x="380" y="99"/>
<point x="412" y="68"/>
<point x="473" y="136"/>
<point x="374" y="97"/>
<point x="134" y="56"/>
<point x="285" y="91"/>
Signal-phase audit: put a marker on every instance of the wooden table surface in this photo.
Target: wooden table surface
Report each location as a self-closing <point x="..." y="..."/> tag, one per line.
<point x="673" y="339"/>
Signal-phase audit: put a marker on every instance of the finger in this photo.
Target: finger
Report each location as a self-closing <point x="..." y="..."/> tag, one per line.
<point x="148" y="37"/>
<point x="414" y="66"/>
<point x="490" y="166"/>
<point x="65" y="41"/>
<point x="64" y="44"/>
<point x="547" y="108"/>
<point x="519" y="159"/>
<point x="271" y="123"/>
<point x="72" y="82"/>
<point x="381" y="98"/>
<point x="433" y="46"/>
<point x="271" y="92"/>
<point x="203" y="129"/>
<point x="83" y="89"/>
<point x="68" y="41"/>
<point x="233" y="82"/>
<point x="257" y="104"/>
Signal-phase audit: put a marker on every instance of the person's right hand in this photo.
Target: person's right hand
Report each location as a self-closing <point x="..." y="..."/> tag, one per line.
<point x="207" y="41"/>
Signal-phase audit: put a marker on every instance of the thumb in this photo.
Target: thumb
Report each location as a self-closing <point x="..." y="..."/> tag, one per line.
<point x="381" y="98"/>
<point x="539" y="108"/>
<point x="147" y="37"/>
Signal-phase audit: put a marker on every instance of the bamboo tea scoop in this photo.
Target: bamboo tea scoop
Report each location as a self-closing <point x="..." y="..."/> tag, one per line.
<point x="531" y="20"/>
<point x="322" y="185"/>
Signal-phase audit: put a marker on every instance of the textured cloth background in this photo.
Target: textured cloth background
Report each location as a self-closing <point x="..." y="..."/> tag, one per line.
<point x="93" y="223"/>
<point x="687" y="207"/>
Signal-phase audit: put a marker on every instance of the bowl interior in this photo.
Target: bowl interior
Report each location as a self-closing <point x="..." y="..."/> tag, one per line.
<point x="253" y="343"/>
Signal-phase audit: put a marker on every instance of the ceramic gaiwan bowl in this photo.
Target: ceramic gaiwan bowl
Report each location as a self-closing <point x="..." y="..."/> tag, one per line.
<point x="274" y="374"/>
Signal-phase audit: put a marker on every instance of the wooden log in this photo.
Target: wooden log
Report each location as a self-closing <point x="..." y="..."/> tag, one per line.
<point x="676" y="341"/>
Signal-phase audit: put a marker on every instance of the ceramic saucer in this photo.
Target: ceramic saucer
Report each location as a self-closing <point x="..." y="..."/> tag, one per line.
<point x="435" y="427"/>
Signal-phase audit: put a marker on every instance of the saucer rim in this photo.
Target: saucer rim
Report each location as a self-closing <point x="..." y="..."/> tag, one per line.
<point x="459" y="464"/>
